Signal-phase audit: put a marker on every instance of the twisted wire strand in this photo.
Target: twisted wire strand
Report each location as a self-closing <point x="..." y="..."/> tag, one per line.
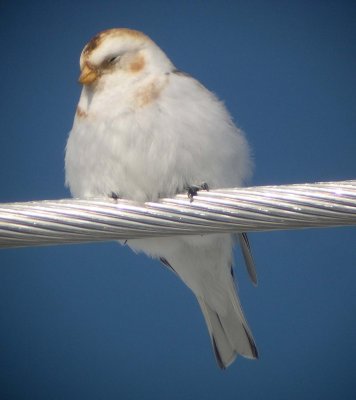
<point x="263" y="208"/>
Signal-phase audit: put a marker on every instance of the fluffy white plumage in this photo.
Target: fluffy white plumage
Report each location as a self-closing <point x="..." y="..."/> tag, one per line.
<point x="144" y="130"/>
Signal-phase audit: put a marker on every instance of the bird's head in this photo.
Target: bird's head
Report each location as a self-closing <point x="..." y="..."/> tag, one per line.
<point x="121" y="53"/>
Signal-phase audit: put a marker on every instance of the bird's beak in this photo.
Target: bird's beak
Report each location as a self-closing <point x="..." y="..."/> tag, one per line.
<point x="88" y="75"/>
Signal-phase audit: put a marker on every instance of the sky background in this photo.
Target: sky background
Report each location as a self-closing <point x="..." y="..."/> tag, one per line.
<point x="98" y="322"/>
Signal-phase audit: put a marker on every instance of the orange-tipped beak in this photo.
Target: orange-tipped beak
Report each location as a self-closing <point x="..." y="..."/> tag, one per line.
<point x="88" y="75"/>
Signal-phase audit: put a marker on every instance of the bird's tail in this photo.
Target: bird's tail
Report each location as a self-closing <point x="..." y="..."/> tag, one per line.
<point x="204" y="265"/>
<point x="229" y="331"/>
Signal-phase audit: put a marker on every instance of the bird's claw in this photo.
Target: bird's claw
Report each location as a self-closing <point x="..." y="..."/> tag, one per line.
<point x="204" y="186"/>
<point x="114" y="196"/>
<point x="192" y="190"/>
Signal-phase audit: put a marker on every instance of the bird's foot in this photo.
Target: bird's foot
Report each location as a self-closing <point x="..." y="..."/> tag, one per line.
<point x="192" y="190"/>
<point x="114" y="195"/>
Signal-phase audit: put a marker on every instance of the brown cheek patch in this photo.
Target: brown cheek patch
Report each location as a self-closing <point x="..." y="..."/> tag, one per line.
<point x="137" y="64"/>
<point x="81" y="113"/>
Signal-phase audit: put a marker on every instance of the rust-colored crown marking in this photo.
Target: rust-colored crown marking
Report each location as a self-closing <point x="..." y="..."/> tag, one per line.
<point x="97" y="39"/>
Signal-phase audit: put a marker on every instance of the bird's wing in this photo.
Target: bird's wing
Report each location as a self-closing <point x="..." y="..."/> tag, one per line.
<point x="247" y="253"/>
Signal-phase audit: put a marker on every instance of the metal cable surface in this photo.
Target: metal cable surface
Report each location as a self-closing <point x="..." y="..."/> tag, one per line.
<point x="263" y="208"/>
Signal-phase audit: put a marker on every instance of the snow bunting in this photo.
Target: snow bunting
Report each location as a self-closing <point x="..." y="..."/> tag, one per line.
<point x="145" y="130"/>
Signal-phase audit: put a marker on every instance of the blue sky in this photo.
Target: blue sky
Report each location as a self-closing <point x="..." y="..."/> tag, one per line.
<point x="96" y="321"/>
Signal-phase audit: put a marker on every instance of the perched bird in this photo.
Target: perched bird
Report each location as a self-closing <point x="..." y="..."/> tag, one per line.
<point x="144" y="130"/>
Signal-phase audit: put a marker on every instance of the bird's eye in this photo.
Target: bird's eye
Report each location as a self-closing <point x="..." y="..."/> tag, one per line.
<point x="112" y="59"/>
